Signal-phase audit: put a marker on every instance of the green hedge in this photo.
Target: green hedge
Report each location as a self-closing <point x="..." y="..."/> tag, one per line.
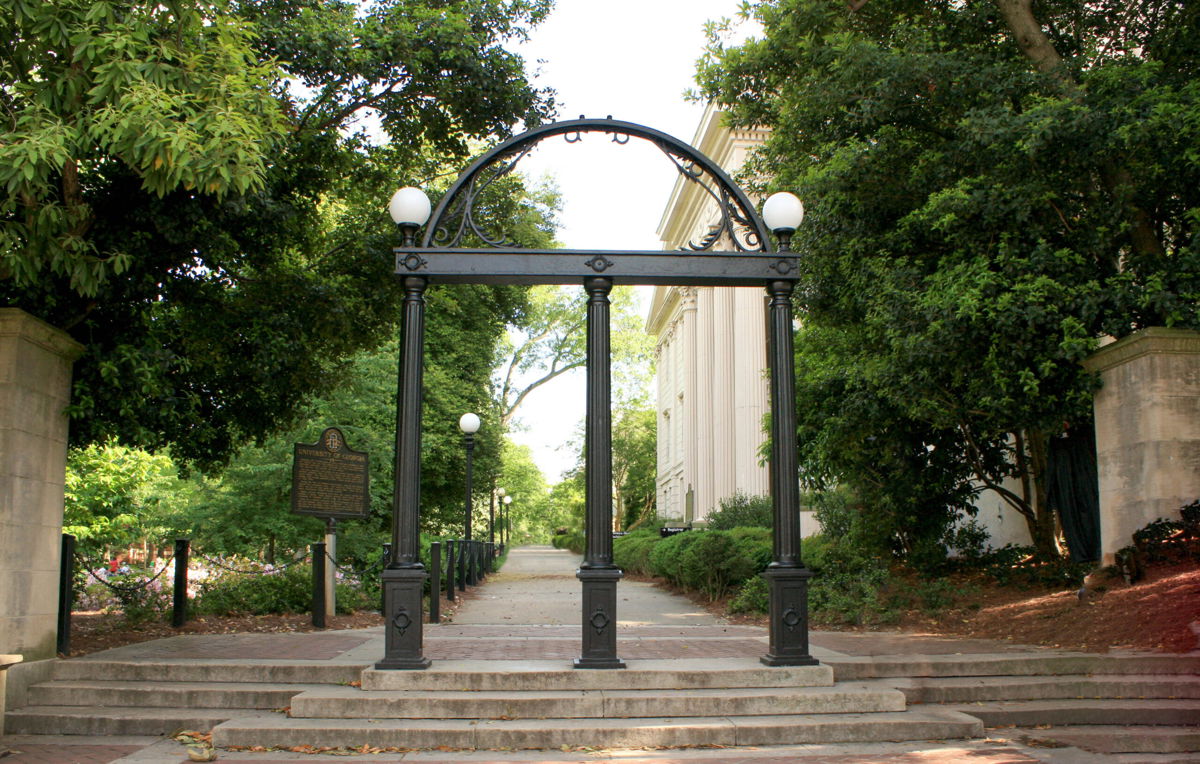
<point x="631" y="553"/>
<point x="711" y="562"/>
<point x="574" y="541"/>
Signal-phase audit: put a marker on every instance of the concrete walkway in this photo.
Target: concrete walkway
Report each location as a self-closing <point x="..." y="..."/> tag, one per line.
<point x="531" y="609"/>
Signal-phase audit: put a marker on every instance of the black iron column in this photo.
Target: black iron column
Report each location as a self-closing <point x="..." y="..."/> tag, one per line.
<point x="597" y="573"/>
<point x="404" y="578"/>
<point x="787" y="578"/>
<point x="469" y="443"/>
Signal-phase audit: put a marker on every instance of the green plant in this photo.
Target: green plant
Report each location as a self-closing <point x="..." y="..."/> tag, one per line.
<point x="228" y="592"/>
<point x="742" y="511"/>
<point x="574" y="541"/>
<point x="666" y="558"/>
<point x="752" y="597"/>
<point x="631" y="553"/>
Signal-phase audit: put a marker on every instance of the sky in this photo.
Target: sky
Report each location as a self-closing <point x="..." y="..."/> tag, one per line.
<point x="632" y="60"/>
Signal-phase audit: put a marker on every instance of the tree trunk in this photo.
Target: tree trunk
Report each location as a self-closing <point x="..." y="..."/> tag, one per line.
<point x="1041" y="525"/>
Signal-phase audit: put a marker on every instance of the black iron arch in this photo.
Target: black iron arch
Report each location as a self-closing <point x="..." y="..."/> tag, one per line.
<point x="442" y="259"/>
<point x="454" y="217"/>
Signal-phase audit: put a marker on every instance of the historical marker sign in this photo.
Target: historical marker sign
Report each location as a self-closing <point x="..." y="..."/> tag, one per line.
<point x="330" y="479"/>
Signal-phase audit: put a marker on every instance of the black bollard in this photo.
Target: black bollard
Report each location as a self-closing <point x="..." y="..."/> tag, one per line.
<point x="179" y="601"/>
<point x="66" y="593"/>
<point x="450" y="569"/>
<point x="435" y="583"/>
<point x="318" y="598"/>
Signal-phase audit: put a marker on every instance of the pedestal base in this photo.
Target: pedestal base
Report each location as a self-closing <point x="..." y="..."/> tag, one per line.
<point x="599" y="618"/>
<point x="788" y="592"/>
<point x="403" y="589"/>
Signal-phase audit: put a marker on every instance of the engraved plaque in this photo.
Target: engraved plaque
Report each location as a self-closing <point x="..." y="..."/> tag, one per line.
<point x="330" y="479"/>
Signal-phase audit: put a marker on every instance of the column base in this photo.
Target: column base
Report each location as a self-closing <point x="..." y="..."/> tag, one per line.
<point x="599" y="618"/>
<point x="403" y="590"/>
<point x="788" y="592"/>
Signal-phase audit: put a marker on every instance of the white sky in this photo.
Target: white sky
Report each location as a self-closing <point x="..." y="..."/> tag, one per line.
<point x="633" y="60"/>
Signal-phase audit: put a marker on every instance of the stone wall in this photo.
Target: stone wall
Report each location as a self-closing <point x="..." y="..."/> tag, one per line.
<point x="35" y="382"/>
<point x="1147" y="431"/>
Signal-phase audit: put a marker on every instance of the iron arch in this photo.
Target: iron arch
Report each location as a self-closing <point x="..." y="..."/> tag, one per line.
<point x="454" y="217"/>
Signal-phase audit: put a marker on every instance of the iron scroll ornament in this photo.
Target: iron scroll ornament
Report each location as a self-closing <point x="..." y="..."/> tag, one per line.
<point x="454" y="217"/>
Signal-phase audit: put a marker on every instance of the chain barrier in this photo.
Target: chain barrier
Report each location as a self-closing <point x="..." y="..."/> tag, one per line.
<point x="274" y="568"/>
<point x="91" y="570"/>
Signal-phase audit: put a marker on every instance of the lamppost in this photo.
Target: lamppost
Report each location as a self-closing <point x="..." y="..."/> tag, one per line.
<point x="404" y="578"/>
<point x="506" y="523"/>
<point x="469" y="424"/>
<point x="787" y="578"/>
<point x="498" y="493"/>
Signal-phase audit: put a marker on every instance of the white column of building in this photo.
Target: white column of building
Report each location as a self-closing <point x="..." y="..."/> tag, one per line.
<point x="663" y="419"/>
<point x="723" y="380"/>
<point x="750" y="389"/>
<point x="687" y="296"/>
<point x="705" y="406"/>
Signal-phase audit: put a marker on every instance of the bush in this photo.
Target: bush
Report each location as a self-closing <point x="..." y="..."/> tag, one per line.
<point x="631" y="553"/>
<point x="574" y="541"/>
<point x="227" y="592"/>
<point x="751" y="597"/>
<point x="666" y="557"/>
<point x="742" y="511"/>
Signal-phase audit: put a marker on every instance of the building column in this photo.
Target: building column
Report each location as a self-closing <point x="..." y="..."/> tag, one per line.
<point x="35" y="388"/>
<point x="1147" y="431"/>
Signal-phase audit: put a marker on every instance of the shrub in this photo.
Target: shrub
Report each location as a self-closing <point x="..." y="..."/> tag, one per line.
<point x="742" y="511"/>
<point x="574" y="541"/>
<point x="666" y="557"/>
<point x="631" y="553"/>
<point x="228" y="592"/>
<point x="751" y="597"/>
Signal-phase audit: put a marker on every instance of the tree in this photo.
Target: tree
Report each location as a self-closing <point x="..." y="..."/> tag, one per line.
<point x="551" y="340"/>
<point x="991" y="186"/>
<point x="236" y="302"/>
<point x="635" y="465"/>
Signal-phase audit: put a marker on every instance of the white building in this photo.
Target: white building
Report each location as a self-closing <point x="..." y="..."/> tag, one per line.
<point x="712" y="384"/>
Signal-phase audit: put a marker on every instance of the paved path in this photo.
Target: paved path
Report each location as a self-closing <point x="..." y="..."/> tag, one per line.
<point x="531" y="609"/>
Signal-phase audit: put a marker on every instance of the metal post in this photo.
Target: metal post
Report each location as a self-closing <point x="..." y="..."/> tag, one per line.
<point x="66" y="593"/>
<point x="179" y="601"/>
<point x="597" y="573"/>
<point x="318" y="585"/>
<point x="492" y="516"/>
<point x="404" y="579"/>
<point x="435" y="583"/>
<point x="472" y="579"/>
<point x="387" y="558"/>
<point x="787" y="578"/>
<point x="450" y="569"/>
<point x="331" y="567"/>
<point x="462" y="565"/>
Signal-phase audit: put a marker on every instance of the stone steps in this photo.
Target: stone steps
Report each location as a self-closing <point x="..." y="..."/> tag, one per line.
<point x="351" y="703"/>
<point x="125" y="720"/>
<point x="165" y="694"/>
<point x="1116" y="738"/>
<point x="1009" y="664"/>
<point x="1019" y="688"/>
<point x="1125" y="712"/>
<point x="278" y="730"/>
<point x="273" y="672"/>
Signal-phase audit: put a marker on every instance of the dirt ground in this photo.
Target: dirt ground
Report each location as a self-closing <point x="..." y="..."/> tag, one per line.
<point x="1160" y="613"/>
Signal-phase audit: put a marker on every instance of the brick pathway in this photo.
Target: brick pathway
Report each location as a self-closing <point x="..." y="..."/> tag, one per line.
<point x="66" y="754"/>
<point x="308" y="646"/>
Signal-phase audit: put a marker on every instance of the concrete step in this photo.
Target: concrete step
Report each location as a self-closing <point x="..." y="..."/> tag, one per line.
<point x="278" y="730"/>
<point x="520" y="676"/>
<point x="91" y="720"/>
<point x="1008" y="664"/>
<point x="1007" y="688"/>
<point x="1114" y="739"/>
<point x="165" y="694"/>
<point x="350" y="703"/>
<point x="264" y="671"/>
<point x="1032" y="713"/>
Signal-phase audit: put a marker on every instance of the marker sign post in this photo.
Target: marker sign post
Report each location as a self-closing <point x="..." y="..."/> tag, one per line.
<point x="330" y="480"/>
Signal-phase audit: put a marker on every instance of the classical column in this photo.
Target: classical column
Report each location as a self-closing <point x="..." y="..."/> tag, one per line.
<point x="35" y="388"/>
<point x="597" y="573"/>
<point x="404" y="577"/>
<point x="787" y="578"/>
<point x="691" y="413"/>
<point x="1147" y="431"/>
<point x="750" y="389"/>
